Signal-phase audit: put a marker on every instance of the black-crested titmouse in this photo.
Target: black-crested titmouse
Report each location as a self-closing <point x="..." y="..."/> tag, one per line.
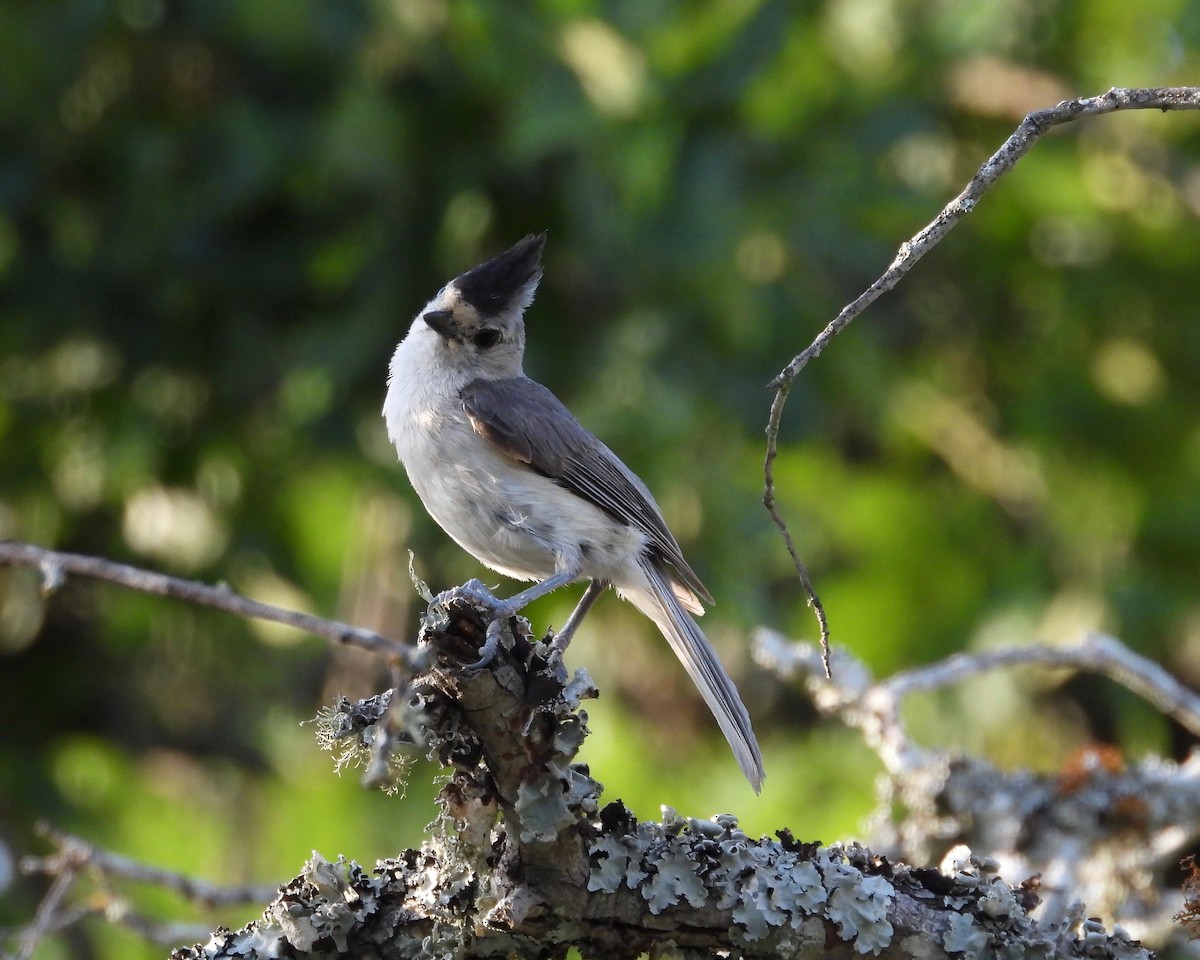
<point x="519" y="483"/>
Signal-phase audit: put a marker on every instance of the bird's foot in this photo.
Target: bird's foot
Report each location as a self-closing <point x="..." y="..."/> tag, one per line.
<point x="473" y="591"/>
<point x="491" y="643"/>
<point x="497" y="610"/>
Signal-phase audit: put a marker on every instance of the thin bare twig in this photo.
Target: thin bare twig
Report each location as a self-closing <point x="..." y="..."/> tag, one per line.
<point x="73" y="858"/>
<point x="814" y="599"/>
<point x="74" y="855"/>
<point x="54" y="565"/>
<point x="1030" y="130"/>
<point x="48" y="911"/>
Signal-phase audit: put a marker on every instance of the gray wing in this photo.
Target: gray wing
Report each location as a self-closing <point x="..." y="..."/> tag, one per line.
<point x="530" y="424"/>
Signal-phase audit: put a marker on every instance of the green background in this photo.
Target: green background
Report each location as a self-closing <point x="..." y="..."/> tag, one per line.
<point x="217" y="219"/>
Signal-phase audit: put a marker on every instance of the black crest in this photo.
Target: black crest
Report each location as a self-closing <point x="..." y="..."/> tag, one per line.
<point x="492" y="286"/>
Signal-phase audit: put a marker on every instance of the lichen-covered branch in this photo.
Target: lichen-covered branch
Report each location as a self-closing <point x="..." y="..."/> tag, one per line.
<point x="527" y="861"/>
<point x="1030" y="130"/>
<point x="1102" y="830"/>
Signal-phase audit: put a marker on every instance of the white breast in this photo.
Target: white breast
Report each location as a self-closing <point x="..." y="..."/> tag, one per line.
<point x="503" y="513"/>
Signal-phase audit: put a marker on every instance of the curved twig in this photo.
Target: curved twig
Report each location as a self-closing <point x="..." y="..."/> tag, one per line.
<point x="1030" y="130"/>
<point x="1096" y="653"/>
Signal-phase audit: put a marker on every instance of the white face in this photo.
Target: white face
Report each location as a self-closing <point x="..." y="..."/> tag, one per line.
<point x="490" y="347"/>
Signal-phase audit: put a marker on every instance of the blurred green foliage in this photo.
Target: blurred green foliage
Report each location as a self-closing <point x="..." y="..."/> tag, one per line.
<point x="216" y="220"/>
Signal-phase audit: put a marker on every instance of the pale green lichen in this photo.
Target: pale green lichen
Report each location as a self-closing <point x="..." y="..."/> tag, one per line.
<point x="543" y="810"/>
<point x="999" y="902"/>
<point x="770" y="891"/>
<point x="675" y="877"/>
<point x="614" y="864"/>
<point x="356" y="743"/>
<point x="581" y="687"/>
<point x="328" y="901"/>
<point x="780" y="882"/>
<point x="860" y="910"/>
<point x="966" y="936"/>
<point x="920" y="947"/>
<point x="555" y="801"/>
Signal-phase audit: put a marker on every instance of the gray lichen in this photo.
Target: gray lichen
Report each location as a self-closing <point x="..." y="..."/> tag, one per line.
<point x="544" y="809"/>
<point x="522" y="860"/>
<point x="766" y="887"/>
<point x="315" y="914"/>
<point x="965" y="936"/>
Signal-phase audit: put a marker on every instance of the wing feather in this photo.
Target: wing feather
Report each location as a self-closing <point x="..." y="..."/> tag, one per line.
<point x="528" y="423"/>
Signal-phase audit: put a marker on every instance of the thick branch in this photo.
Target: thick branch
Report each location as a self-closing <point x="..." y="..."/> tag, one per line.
<point x="54" y="566"/>
<point x="527" y="863"/>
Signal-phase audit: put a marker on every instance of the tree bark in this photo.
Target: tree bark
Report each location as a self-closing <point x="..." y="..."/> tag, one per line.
<point x="526" y="862"/>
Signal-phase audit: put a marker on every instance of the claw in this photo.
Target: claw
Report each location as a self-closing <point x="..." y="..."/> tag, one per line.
<point x="498" y="611"/>
<point x="472" y="591"/>
<point x="491" y="644"/>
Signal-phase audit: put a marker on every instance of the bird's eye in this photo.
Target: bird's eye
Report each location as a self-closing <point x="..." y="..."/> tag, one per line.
<point x="486" y="338"/>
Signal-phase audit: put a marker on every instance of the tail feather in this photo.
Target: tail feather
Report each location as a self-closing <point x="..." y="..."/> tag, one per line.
<point x="659" y="602"/>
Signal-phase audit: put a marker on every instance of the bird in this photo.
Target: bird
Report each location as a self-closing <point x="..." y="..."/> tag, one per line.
<point x="509" y="473"/>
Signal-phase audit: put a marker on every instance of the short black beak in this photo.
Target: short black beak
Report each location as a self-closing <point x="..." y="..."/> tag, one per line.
<point x="442" y="323"/>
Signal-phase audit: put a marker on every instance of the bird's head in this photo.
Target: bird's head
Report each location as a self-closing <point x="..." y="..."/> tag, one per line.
<point x="478" y="316"/>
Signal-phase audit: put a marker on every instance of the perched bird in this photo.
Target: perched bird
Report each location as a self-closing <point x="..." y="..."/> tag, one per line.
<point x="507" y="471"/>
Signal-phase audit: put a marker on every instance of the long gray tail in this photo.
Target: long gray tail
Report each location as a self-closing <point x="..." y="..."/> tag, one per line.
<point x="691" y="646"/>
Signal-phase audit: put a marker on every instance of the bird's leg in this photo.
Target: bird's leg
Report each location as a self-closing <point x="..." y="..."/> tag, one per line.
<point x="501" y="610"/>
<point x="590" y="596"/>
<point x="516" y="603"/>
